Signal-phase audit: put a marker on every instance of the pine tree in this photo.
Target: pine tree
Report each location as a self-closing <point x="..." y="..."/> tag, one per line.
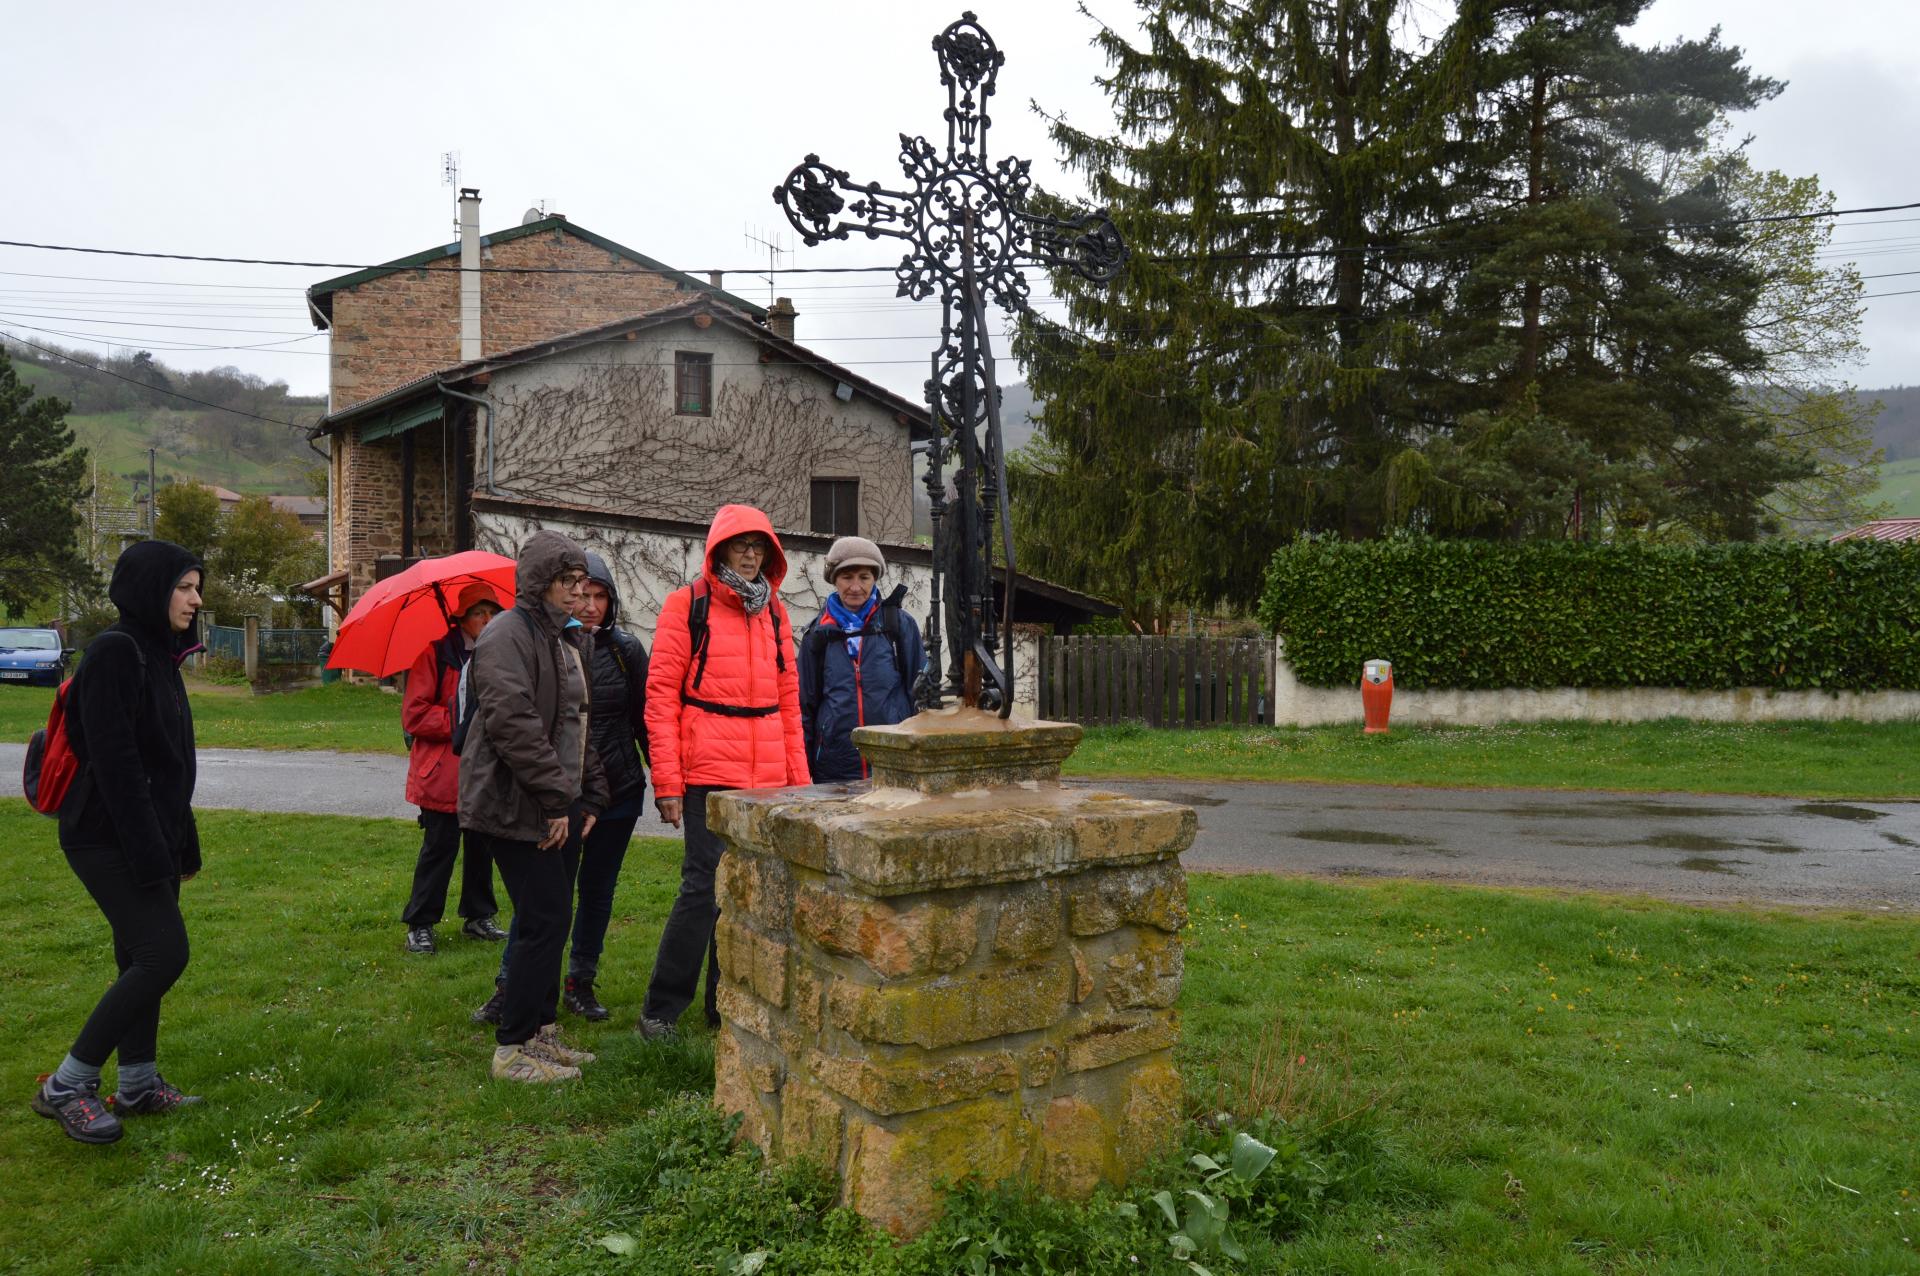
<point x="1246" y="378"/>
<point x="1598" y="330"/>
<point x="40" y="551"/>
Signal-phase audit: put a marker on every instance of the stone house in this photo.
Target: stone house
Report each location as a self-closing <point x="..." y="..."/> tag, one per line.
<point x="621" y="404"/>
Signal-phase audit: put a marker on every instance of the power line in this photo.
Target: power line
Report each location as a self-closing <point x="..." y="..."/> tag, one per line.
<point x="182" y="327"/>
<point x="845" y="270"/>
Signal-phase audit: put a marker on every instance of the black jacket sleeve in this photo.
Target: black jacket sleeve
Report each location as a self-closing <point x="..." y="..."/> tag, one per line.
<point x="636" y="653"/>
<point x="112" y="689"/>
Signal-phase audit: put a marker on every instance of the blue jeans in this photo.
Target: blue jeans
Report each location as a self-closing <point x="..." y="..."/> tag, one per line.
<point x="601" y="855"/>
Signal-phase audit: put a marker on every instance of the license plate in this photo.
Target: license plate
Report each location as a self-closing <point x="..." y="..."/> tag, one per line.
<point x="13" y="673"/>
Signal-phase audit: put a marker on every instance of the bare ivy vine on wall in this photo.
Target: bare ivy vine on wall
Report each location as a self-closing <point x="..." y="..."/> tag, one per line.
<point x="611" y="439"/>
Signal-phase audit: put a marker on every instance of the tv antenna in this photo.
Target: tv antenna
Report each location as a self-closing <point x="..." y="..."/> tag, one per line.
<point x="450" y="168"/>
<point x="776" y="249"/>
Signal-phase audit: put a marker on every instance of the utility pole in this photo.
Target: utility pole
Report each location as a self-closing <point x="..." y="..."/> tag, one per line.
<point x="153" y="493"/>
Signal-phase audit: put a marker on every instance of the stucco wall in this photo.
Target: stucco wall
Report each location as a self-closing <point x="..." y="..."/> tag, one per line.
<point x="597" y="426"/>
<point x="647" y="566"/>
<point x="1295" y="704"/>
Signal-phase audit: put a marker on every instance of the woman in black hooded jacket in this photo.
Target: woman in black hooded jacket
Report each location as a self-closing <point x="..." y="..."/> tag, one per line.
<point x="128" y="832"/>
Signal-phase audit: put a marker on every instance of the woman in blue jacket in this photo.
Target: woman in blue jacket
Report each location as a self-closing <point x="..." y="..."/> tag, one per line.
<point x="858" y="662"/>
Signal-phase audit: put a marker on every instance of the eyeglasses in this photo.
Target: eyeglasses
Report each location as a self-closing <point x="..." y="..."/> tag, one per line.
<point x="572" y="580"/>
<point x="749" y="544"/>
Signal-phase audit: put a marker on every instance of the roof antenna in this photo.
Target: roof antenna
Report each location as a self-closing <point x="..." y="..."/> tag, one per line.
<point x="450" y="175"/>
<point x="776" y="248"/>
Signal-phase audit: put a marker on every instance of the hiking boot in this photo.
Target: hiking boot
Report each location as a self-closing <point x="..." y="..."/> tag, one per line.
<point x="420" y="940"/>
<point x="547" y="1043"/>
<point x="82" y="1116"/>
<point x="579" y="1000"/>
<point x="483" y="928"/>
<point x="495" y="1008"/>
<point x="656" y="1029"/>
<point x="156" y="1100"/>
<point x="517" y="1063"/>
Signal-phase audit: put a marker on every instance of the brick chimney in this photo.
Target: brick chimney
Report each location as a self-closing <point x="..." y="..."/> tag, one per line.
<point x="469" y="273"/>
<point x="780" y="317"/>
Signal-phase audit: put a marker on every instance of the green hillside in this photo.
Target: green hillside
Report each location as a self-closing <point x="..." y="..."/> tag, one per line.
<point x="1900" y="488"/>
<point x="117" y="423"/>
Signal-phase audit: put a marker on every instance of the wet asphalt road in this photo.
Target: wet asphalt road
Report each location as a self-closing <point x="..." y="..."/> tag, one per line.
<point x="1700" y="849"/>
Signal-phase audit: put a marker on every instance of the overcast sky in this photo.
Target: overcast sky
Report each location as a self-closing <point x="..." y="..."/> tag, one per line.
<point x="315" y="132"/>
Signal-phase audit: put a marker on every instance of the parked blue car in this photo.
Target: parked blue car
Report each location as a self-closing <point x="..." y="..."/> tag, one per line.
<point x="32" y="656"/>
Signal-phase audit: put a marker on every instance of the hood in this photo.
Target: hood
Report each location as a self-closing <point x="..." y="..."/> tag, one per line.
<point x="142" y="588"/>
<point x="736" y="520"/>
<point x="545" y="555"/>
<point x="597" y="573"/>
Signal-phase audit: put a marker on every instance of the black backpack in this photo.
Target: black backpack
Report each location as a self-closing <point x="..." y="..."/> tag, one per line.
<point x="698" y="631"/>
<point x="886" y="621"/>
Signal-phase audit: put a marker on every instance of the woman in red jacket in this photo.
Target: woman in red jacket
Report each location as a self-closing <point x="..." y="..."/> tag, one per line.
<point x="723" y="712"/>
<point x="433" y="782"/>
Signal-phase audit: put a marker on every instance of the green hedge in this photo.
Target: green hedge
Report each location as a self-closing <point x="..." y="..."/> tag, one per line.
<point x="1481" y="614"/>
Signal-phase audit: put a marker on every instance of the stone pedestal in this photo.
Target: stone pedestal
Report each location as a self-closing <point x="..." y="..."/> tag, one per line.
<point x="963" y="970"/>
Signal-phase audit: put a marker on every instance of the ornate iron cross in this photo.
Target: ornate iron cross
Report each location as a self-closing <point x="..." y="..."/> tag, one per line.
<point x="969" y="234"/>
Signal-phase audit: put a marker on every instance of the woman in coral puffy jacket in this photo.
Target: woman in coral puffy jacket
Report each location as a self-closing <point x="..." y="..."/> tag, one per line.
<point x="723" y="712"/>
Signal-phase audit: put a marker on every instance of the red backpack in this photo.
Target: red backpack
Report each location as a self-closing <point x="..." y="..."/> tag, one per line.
<point x="51" y="762"/>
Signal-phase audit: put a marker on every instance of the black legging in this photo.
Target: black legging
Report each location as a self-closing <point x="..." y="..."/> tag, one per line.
<point x="540" y="883"/>
<point x="150" y="947"/>
<point x="687" y="940"/>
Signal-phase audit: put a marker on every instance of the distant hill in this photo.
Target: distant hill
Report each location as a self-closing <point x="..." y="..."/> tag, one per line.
<point x="118" y="419"/>
<point x="1897" y="428"/>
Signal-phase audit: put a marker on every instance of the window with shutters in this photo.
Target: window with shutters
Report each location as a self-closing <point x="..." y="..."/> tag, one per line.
<point x="692" y="383"/>
<point x="836" y="506"/>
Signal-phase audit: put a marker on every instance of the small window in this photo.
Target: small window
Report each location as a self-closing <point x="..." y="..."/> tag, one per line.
<point x="692" y="383"/>
<point x="836" y="507"/>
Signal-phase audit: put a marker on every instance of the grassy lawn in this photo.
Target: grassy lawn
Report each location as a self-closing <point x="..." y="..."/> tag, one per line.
<point x="1800" y="759"/>
<point x="1899" y="488"/>
<point x="361" y="719"/>
<point x="1477" y="1082"/>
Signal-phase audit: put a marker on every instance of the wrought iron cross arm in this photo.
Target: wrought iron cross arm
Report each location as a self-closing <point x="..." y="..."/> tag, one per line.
<point x="815" y="194"/>
<point x="1089" y="245"/>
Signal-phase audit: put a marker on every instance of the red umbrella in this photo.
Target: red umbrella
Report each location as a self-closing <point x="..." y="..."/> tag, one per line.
<point x="395" y="620"/>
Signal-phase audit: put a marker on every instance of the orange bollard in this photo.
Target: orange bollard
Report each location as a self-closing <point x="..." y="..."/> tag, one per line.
<point x="1376" y="694"/>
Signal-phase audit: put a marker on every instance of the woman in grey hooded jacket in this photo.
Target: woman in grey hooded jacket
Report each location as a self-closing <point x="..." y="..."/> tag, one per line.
<point x="531" y="786"/>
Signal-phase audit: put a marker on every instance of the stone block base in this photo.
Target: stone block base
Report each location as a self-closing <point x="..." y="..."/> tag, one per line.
<point x="922" y="985"/>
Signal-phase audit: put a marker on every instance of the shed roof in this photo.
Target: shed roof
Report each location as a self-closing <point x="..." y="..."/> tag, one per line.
<point x="321" y="294"/>
<point x="1885" y="529"/>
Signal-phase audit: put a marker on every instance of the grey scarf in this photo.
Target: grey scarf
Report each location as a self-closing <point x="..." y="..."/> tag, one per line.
<point x="753" y="593"/>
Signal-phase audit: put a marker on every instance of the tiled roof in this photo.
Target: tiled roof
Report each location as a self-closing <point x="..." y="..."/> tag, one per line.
<point x="320" y="295"/>
<point x="1885" y="529"/>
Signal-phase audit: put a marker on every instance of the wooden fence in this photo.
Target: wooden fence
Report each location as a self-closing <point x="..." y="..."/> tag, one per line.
<point x="1159" y="681"/>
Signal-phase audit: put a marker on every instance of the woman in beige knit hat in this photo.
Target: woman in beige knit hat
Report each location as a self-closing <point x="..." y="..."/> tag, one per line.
<point x="858" y="661"/>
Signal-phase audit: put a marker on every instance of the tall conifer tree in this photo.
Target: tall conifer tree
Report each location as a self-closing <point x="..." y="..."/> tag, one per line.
<point x="1597" y="334"/>
<point x="45" y="481"/>
<point x="1244" y="380"/>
